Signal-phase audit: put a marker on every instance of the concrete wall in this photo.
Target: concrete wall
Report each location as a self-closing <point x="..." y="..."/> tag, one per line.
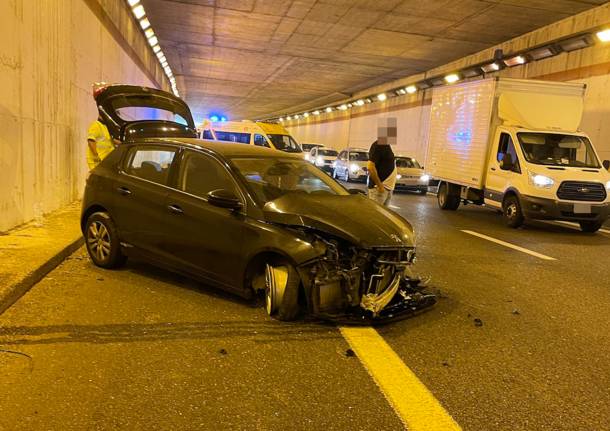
<point x="590" y="66"/>
<point x="51" y="52"/>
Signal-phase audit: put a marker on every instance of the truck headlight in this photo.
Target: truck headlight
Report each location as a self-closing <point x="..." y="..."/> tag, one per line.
<point x="398" y="176"/>
<point x="320" y="161"/>
<point x="354" y="168"/>
<point x="425" y="178"/>
<point x="541" y="181"/>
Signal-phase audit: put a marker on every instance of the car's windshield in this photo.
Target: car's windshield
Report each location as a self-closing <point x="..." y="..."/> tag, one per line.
<point x="558" y="149"/>
<point x="328" y="153"/>
<point x="358" y="156"/>
<point x="271" y="178"/>
<point x="407" y="162"/>
<point x="285" y="143"/>
<point x="308" y="147"/>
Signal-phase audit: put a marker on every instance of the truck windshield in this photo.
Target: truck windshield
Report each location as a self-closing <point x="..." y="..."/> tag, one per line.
<point x="285" y="143"/>
<point x="558" y="149"/>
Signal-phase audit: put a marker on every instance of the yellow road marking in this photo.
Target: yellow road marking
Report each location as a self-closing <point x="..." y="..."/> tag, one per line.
<point x="509" y="245"/>
<point x="411" y="400"/>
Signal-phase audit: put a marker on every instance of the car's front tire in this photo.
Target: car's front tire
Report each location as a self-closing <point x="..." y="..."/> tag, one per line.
<point x="102" y="241"/>
<point x="282" y="284"/>
<point x="590" y="226"/>
<point x="446" y="199"/>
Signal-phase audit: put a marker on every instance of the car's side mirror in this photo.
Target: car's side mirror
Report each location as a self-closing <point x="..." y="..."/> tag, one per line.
<point x="507" y="163"/>
<point x="606" y="164"/>
<point x="224" y="199"/>
<point x="356" y="191"/>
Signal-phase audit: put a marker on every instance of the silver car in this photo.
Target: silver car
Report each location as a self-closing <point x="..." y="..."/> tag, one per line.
<point x="410" y="175"/>
<point x="324" y="158"/>
<point x="351" y="165"/>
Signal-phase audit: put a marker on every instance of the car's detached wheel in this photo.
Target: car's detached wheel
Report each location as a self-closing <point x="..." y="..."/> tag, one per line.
<point x="511" y="210"/>
<point x="590" y="226"/>
<point x="103" y="242"/>
<point x="282" y="283"/>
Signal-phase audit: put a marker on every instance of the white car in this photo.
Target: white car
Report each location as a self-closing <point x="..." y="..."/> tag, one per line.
<point x="410" y="175"/>
<point x="324" y="158"/>
<point x="351" y="165"/>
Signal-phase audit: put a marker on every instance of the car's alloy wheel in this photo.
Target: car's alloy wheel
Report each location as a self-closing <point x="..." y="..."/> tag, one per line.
<point x="281" y="291"/>
<point x="98" y="239"/>
<point x="102" y="241"/>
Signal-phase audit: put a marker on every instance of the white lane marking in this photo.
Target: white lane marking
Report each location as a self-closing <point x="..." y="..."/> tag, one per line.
<point x="414" y="404"/>
<point x="394" y="207"/>
<point x="509" y="245"/>
<point x="572" y="224"/>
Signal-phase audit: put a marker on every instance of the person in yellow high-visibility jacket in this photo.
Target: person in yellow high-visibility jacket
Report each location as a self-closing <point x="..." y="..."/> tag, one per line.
<point x="99" y="142"/>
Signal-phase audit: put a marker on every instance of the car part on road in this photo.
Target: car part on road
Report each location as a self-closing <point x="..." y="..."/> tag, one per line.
<point x="590" y="226"/>
<point x="103" y="242"/>
<point x="513" y="215"/>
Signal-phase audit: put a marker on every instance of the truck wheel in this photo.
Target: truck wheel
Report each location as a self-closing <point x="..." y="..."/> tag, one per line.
<point x="103" y="243"/>
<point x="590" y="226"/>
<point x="282" y="283"/>
<point x="446" y="199"/>
<point x="511" y="210"/>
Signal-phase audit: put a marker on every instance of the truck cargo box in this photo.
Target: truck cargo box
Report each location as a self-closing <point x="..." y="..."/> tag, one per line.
<point x="463" y="118"/>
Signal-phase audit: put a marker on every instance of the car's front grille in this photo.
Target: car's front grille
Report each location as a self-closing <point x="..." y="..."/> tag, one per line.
<point x="581" y="191"/>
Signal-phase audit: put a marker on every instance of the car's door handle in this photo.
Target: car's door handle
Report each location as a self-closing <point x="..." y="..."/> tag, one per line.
<point x="175" y="209"/>
<point x="493" y="169"/>
<point x="124" y="191"/>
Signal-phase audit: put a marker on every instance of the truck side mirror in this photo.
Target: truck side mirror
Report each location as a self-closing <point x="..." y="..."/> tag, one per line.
<point x="507" y="162"/>
<point x="606" y="164"/>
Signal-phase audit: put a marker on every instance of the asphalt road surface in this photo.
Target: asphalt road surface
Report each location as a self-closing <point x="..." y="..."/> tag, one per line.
<point x="520" y="340"/>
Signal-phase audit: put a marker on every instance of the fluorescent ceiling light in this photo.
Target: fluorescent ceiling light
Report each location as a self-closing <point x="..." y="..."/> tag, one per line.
<point x="153" y="40"/>
<point x="149" y="33"/>
<point x="138" y="11"/>
<point x="381" y="97"/>
<point x="604" y="35"/>
<point x="133" y="2"/>
<point x="515" y="61"/>
<point x="329" y="109"/>
<point x="306" y="114"/>
<point x="359" y="102"/>
<point x="411" y="89"/>
<point x="144" y="23"/>
<point x="342" y="107"/>
<point x="401" y="91"/>
<point x="540" y="53"/>
<point x="575" y="43"/>
<point x="491" y="67"/>
<point x="289" y="118"/>
<point x="281" y="119"/>
<point x="156" y="48"/>
<point x="452" y="78"/>
<point x="316" y="112"/>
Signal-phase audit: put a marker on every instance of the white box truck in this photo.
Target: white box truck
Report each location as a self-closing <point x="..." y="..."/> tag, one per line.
<point x="514" y="145"/>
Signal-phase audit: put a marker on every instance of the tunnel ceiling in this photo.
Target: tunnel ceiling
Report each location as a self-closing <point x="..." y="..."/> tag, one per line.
<point x="253" y="58"/>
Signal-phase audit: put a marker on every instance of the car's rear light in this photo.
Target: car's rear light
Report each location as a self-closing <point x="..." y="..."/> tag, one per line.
<point x="98" y="87"/>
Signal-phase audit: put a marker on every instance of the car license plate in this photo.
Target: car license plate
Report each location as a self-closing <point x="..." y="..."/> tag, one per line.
<point x="582" y="208"/>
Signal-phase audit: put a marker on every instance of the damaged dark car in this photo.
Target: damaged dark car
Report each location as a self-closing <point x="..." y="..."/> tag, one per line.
<point x="254" y="221"/>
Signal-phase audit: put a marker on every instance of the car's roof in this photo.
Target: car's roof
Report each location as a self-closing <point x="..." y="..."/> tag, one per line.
<point x="228" y="149"/>
<point x="364" y="150"/>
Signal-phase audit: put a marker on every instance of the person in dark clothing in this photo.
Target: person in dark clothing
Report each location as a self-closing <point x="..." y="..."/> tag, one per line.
<point x="382" y="167"/>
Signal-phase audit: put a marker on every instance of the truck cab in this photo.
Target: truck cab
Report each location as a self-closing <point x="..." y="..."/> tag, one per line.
<point x="547" y="175"/>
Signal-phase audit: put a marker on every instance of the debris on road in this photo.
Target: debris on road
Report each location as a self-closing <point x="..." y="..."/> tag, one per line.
<point x="222" y="352"/>
<point x="478" y="322"/>
<point x="350" y="353"/>
<point x="515" y="312"/>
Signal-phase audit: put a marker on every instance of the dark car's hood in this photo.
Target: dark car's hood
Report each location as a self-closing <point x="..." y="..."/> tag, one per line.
<point x="354" y="218"/>
<point x="110" y="99"/>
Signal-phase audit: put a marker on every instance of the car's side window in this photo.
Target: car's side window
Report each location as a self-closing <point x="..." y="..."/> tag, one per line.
<point x="207" y="134"/>
<point x="150" y="163"/>
<point x="200" y="174"/>
<point x="260" y="141"/>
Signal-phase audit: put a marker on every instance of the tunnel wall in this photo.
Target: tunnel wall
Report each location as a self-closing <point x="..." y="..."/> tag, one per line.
<point x="51" y="53"/>
<point x="589" y="65"/>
